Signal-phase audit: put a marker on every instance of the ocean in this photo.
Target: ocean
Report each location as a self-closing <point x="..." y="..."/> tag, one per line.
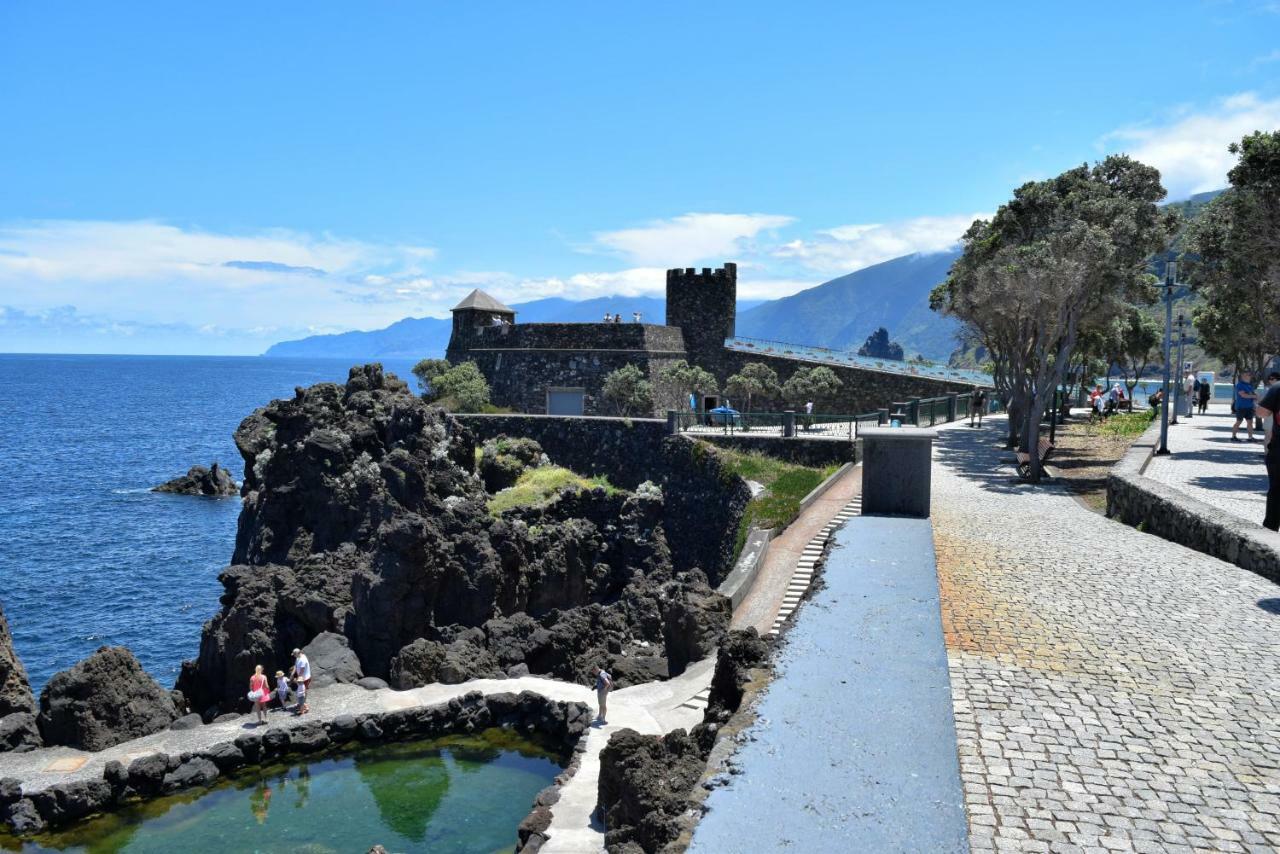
<point x="89" y="556"/>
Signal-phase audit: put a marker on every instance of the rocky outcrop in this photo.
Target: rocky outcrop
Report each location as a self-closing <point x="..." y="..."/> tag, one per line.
<point x="503" y="459"/>
<point x="740" y="652"/>
<point x="18" y="729"/>
<point x="332" y="660"/>
<point x="645" y="781"/>
<point x="212" y="481"/>
<point x="104" y="700"/>
<point x="363" y="516"/>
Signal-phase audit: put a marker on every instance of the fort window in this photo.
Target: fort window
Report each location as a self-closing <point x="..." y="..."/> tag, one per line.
<point x="566" y="401"/>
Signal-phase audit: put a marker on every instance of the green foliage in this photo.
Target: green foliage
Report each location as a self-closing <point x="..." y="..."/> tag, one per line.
<point x="786" y="484"/>
<point x="755" y="378"/>
<point x="462" y="389"/>
<point x="1135" y="340"/>
<point x="1234" y="258"/>
<point x="538" y="487"/>
<point x="628" y="392"/>
<point x="815" y="384"/>
<point x="680" y="379"/>
<point x="1127" y="424"/>
<point x="878" y="346"/>
<point x="426" y="371"/>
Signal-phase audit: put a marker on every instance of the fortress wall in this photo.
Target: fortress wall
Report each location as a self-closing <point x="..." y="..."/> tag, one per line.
<point x="579" y="336"/>
<point x="519" y="378"/>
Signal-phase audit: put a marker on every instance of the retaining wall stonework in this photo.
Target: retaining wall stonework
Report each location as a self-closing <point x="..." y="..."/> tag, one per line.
<point x="703" y="503"/>
<point x="1159" y="509"/>
<point x="803" y="452"/>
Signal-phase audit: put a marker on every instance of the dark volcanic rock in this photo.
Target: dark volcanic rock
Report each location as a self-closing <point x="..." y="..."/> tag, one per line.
<point x="740" y="651"/>
<point x="18" y="730"/>
<point x="213" y="481"/>
<point x="332" y="660"/>
<point x="104" y="700"/>
<point x="503" y="460"/>
<point x="363" y="518"/>
<point x="645" y="782"/>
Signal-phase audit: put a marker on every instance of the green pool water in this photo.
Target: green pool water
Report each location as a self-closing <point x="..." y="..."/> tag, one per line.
<point x="455" y="794"/>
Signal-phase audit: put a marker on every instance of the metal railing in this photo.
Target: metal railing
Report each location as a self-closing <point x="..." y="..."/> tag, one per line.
<point x="920" y="412"/>
<point x="932" y="370"/>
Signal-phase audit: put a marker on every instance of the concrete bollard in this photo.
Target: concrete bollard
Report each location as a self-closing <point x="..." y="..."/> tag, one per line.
<point x="884" y="416"/>
<point x="953" y="407"/>
<point x="673" y="422"/>
<point x="789" y="424"/>
<point x="895" y="471"/>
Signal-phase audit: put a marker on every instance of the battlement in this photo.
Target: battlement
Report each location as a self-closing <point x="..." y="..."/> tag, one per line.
<point x="690" y="275"/>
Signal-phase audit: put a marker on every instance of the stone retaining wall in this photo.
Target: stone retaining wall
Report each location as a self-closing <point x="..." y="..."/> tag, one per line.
<point x="801" y="451"/>
<point x="704" y="501"/>
<point x="28" y="811"/>
<point x="1159" y="509"/>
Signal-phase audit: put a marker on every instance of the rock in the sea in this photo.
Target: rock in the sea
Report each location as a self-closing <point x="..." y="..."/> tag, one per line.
<point x="18" y="731"/>
<point x="104" y="700"/>
<point x="645" y="783"/>
<point x="213" y="481"/>
<point x="332" y="660"/>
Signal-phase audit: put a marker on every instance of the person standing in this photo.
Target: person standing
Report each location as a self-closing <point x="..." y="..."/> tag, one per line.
<point x="1245" y="397"/>
<point x="1267" y="407"/>
<point x="1205" y="393"/>
<point x="1188" y="391"/>
<point x="604" y="684"/>
<point x="302" y="675"/>
<point x="259" y="693"/>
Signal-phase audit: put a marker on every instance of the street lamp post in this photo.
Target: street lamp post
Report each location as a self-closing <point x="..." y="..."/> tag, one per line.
<point x="1177" y="376"/>
<point x="1185" y="402"/>
<point x="1170" y="273"/>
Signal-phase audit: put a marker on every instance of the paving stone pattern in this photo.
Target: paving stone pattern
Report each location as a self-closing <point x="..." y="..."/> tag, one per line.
<point x="1113" y="691"/>
<point x="1209" y="467"/>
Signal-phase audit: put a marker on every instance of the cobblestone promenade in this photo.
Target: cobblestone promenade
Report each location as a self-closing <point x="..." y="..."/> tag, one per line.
<point x="1209" y="467"/>
<point x="1112" y="690"/>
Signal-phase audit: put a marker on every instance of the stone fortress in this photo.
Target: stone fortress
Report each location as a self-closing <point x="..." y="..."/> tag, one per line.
<point x="560" y="368"/>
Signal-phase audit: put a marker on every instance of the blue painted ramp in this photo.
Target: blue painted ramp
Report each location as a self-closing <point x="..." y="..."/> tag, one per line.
<point x="855" y="746"/>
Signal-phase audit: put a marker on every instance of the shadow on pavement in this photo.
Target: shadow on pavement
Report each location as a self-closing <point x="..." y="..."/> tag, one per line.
<point x="978" y="455"/>
<point x="1271" y="606"/>
<point x="1255" y="486"/>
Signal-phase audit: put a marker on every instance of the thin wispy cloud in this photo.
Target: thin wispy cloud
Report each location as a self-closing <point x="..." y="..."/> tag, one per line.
<point x="691" y="238"/>
<point x="1190" y="148"/>
<point x="847" y="248"/>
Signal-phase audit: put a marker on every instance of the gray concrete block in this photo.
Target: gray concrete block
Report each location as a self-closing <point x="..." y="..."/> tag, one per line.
<point x="895" y="471"/>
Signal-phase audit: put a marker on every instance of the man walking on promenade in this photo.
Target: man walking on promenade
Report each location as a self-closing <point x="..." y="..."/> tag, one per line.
<point x="1245" y="399"/>
<point x="1267" y="408"/>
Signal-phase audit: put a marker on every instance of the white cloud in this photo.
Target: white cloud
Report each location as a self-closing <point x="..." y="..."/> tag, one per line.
<point x="851" y="247"/>
<point x="690" y="238"/>
<point x="1190" y="149"/>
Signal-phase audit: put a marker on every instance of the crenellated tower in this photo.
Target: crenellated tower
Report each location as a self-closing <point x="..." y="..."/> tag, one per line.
<point x="702" y="305"/>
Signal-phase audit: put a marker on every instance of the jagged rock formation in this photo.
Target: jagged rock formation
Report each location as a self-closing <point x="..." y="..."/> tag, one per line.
<point x="503" y="460"/>
<point x="104" y="700"/>
<point x="363" y="516"/>
<point x="18" y="729"/>
<point x="647" y="782"/>
<point x="332" y="660"/>
<point x="213" y="481"/>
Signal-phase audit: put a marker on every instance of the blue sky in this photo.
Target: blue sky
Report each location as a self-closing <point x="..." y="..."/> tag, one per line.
<point x="212" y="181"/>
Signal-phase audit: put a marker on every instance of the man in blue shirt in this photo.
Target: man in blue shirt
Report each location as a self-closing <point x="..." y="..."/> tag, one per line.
<point x="1245" y="398"/>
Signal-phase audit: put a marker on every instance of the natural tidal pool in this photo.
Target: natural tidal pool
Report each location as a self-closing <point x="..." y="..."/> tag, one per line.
<point x="453" y="794"/>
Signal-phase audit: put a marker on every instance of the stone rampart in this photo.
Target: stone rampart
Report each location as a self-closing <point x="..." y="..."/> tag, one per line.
<point x="643" y="337"/>
<point x="1160" y="509"/>
<point x="704" y="500"/>
<point x="815" y="453"/>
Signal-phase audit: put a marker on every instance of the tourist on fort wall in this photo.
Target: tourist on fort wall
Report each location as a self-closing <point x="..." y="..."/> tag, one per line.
<point x="1267" y="407"/>
<point x="259" y="693"/>
<point x="604" y="684"/>
<point x="1245" y="397"/>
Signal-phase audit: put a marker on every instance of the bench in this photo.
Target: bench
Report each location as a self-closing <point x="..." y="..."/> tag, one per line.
<point x="1045" y="448"/>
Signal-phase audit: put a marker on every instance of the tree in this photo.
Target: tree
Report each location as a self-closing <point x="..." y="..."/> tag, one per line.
<point x="1056" y="257"/>
<point x="1233" y="258"/>
<point x="628" y="392"/>
<point x="426" y="371"/>
<point x="1135" y="343"/>
<point x="755" y="378"/>
<point x="679" y="380"/>
<point x="807" y="384"/>
<point x="462" y="388"/>
<point x="878" y="346"/>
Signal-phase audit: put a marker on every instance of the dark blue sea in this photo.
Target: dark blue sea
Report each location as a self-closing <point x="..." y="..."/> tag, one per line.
<point x="88" y="555"/>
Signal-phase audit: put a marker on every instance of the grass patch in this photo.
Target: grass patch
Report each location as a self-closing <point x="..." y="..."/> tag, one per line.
<point x="786" y="484"/>
<point x="538" y="487"/>
<point x="1125" y="424"/>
